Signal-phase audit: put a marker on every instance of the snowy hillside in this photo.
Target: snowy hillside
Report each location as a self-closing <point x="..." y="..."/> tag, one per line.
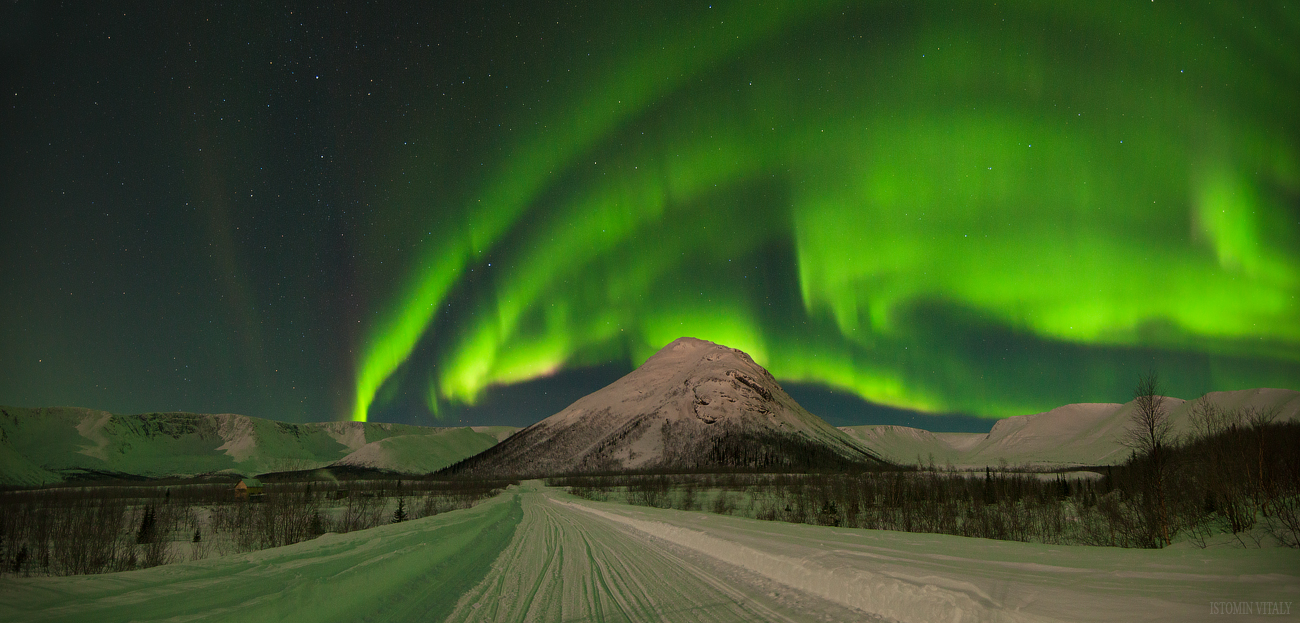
<point x="693" y="405"/>
<point x="53" y="444"/>
<point x="1078" y="434"/>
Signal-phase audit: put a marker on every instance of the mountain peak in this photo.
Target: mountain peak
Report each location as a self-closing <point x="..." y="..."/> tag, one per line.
<point x="694" y="404"/>
<point x="700" y="352"/>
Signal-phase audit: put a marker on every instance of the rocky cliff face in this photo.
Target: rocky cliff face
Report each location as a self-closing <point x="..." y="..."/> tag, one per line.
<point x="693" y="405"/>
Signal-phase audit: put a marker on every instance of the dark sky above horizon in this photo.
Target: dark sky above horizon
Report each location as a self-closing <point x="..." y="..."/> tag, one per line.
<point x="444" y="214"/>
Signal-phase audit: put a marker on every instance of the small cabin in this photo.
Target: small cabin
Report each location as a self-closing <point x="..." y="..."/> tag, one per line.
<point x="249" y="489"/>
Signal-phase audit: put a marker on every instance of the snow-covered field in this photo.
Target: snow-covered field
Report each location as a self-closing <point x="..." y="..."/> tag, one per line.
<point x="537" y="554"/>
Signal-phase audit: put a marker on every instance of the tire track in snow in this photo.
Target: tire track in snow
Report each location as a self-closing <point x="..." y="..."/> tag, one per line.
<point x="887" y="595"/>
<point x="566" y="565"/>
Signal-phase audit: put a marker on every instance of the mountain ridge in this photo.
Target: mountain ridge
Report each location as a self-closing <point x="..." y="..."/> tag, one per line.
<point x="1080" y="434"/>
<point x="689" y="426"/>
<point x="52" y="444"/>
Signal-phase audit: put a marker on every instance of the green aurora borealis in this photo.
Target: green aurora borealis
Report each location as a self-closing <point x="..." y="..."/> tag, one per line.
<point x="406" y="211"/>
<point x="1118" y="179"/>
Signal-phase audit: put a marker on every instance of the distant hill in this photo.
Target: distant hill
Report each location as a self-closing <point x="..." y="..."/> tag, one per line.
<point x="48" y="445"/>
<point x="1072" y="435"/>
<point x="694" y="405"/>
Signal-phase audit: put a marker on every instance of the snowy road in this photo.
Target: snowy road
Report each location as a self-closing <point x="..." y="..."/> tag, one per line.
<point x="566" y="563"/>
<point x="537" y="554"/>
<point x="929" y="577"/>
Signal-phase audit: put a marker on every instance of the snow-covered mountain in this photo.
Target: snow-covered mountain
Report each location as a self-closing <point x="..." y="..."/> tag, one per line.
<point x="47" y="445"/>
<point x="693" y="405"/>
<point x="1072" y="435"/>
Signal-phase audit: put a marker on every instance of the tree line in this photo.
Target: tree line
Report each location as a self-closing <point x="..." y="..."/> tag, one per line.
<point x="80" y="530"/>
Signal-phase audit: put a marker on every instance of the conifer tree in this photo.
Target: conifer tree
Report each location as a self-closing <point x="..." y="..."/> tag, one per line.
<point x="399" y="515"/>
<point x="146" y="532"/>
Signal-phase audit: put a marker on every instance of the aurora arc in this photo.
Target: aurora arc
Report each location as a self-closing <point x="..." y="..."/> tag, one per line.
<point x="1116" y="178"/>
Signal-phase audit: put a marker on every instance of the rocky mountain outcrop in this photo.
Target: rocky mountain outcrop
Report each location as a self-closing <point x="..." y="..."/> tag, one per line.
<point x="694" y="405"/>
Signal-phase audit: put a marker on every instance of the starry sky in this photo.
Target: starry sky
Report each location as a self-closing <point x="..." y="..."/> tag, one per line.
<point x="935" y="214"/>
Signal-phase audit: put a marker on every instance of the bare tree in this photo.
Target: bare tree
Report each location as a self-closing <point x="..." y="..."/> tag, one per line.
<point x="1259" y="420"/>
<point x="1208" y="419"/>
<point x="1149" y="434"/>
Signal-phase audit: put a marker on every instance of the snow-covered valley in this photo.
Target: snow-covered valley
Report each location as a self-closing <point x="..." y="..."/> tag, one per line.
<point x="695" y="417"/>
<point x="536" y="553"/>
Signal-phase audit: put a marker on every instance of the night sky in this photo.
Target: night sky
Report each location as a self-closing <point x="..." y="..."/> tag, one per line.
<point x="441" y="214"/>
